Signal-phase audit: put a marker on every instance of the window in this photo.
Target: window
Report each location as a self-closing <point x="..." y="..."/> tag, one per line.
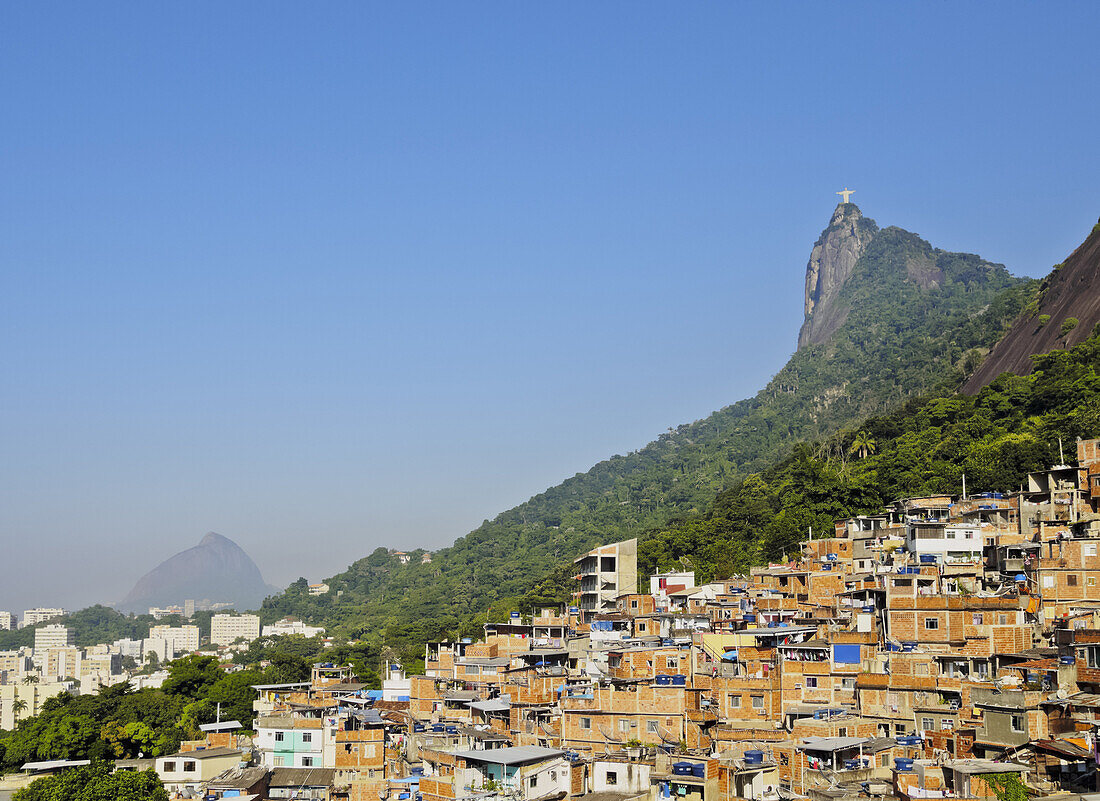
<point x="307" y="737"/>
<point x="189" y="766"/>
<point x="1048" y="581"/>
<point x="307" y="762"/>
<point x="1018" y="723"/>
<point x="883" y="759"/>
<point x="624" y="725"/>
<point x="278" y="736"/>
<point x="533" y="782"/>
<point x="651" y="727"/>
<point x="758" y="702"/>
<point x="672" y="662"/>
<point x="931" y="623"/>
<point x="811" y="682"/>
<point x="920" y="670"/>
<point x="1002" y="620"/>
<point x="607" y="564"/>
<point x="1090" y="549"/>
<point x="842" y="731"/>
<point x="612" y="777"/>
<point x="927" y="724"/>
<point x="977" y="619"/>
<point x="1090" y="581"/>
<point x="848" y="684"/>
<point x="634" y="604"/>
<point x="279" y="761"/>
<point x="735" y="701"/>
<point x="586" y="723"/>
<point x="169" y="767"/>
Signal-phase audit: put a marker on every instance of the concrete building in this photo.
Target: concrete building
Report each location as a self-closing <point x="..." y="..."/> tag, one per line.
<point x="286" y="742"/>
<point x="7" y="621"/>
<point x="227" y="629"/>
<point x="605" y="573"/>
<point x="19" y="701"/>
<point x="53" y="635"/>
<point x="161" y="648"/>
<point x="288" y="626"/>
<point x="188" y="771"/>
<point x="32" y="617"/>
<point x="184" y="639"/>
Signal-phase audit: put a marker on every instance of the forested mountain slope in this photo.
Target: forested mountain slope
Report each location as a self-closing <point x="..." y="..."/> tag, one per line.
<point x="1009" y="428"/>
<point x="907" y="317"/>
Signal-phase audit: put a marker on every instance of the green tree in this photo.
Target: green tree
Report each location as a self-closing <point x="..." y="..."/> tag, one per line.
<point x="96" y="782"/>
<point x="863" y="444"/>
<point x="1069" y="324"/>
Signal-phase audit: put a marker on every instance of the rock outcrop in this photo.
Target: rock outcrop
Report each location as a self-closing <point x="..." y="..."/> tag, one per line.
<point x="1070" y="293"/>
<point x="831" y="262"/>
<point x="216" y="569"/>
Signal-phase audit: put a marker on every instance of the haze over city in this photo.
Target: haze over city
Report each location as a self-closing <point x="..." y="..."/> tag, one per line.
<point x="327" y="279"/>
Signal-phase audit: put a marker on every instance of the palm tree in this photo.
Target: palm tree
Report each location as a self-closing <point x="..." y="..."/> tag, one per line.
<point x="19" y="706"/>
<point x="30" y="678"/>
<point x="863" y="444"/>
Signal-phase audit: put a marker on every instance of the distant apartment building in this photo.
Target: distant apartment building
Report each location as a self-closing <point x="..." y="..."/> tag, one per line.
<point x="162" y="649"/>
<point x="189" y="608"/>
<point x="7" y="621"/>
<point x="130" y="648"/>
<point x="52" y="635"/>
<point x="183" y="639"/>
<point x="161" y="612"/>
<point x="227" y="629"/>
<point x="19" y="701"/>
<point x="605" y="573"/>
<point x="288" y="626"/>
<point x="319" y="589"/>
<point x="32" y="617"/>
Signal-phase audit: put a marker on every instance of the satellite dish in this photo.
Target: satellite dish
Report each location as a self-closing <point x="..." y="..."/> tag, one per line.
<point x="141" y="754"/>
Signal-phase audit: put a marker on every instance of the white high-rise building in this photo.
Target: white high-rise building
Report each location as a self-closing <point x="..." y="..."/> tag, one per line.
<point x="182" y="638"/>
<point x="52" y="635"/>
<point x="7" y="621"/>
<point x="227" y="629"/>
<point x="32" y="617"/>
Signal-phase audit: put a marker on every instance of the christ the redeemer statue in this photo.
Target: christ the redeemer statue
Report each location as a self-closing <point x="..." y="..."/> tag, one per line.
<point x="846" y="193"/>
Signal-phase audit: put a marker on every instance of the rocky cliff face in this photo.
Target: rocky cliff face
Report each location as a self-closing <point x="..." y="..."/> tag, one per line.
<point x="831" y="261"/>
<point x="216" y="569"/>
<point x="1071" y="292"/>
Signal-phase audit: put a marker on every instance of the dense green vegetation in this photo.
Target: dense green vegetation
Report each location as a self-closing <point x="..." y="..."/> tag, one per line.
<point x="900" y="340"/>
<point x="119" y="722"/>
<point x="996" y="437"/>
<point x="95" y="782"/>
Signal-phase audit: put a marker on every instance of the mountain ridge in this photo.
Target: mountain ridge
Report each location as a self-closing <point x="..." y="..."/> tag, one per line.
<point x="916" y="317"/>
<point x="1063" y="296"/>
<point x="217" y="568"/>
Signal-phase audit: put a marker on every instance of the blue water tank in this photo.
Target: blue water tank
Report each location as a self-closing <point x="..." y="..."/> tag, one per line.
<point x="1066" y="660"/>
<point x="682" y="768"/>
<point x="754" y="757"/>
<point x="903" y="765"/>
<point x="750" y="618"/>
<point x="699" y="770"/>
<point x="679" y="681"/>
<point x="664" y="680"/>
<point x="851" y="764"/>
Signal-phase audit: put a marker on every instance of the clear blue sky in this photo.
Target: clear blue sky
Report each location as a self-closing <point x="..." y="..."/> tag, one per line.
<point x="321" y="277"/>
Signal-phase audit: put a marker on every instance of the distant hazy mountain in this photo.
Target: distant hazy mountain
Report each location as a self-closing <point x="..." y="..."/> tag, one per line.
<point x="217" y="568"/>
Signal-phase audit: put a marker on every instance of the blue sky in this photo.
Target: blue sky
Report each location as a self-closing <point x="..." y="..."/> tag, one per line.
<point x="328" y="276"/>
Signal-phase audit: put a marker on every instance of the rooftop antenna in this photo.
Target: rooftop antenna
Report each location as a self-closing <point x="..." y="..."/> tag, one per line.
<point x="964" y="486"/>
<point x="1061" y="456"/>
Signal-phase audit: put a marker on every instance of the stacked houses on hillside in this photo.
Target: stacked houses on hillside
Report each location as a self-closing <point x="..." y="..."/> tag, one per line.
<point x="942" y="648"/>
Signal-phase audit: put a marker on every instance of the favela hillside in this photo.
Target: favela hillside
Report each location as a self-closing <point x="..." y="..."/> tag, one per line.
<point x="861" y="582"/>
